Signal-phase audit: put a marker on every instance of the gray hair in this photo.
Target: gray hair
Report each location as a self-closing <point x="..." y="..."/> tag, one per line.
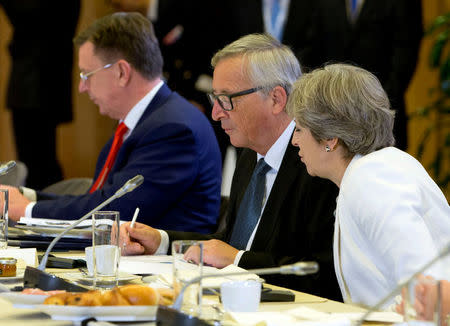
<point x="268" y="63"/>
<point x="128" y="36"/>
<point x="345" y="102"/>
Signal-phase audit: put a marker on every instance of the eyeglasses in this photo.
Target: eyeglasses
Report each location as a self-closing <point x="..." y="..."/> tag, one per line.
<point x="225" y="101"/>
<point x="84" y="76"/>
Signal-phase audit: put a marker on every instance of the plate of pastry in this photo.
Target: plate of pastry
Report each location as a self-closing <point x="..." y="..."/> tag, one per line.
<point x="101" y="313"/>
<point x="133" y="302"/>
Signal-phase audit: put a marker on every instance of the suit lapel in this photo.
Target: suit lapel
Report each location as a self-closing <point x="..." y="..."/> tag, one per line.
<point x="244" y="169"/>
<point x="159" y="98"/>
<point x="289" y="169"/>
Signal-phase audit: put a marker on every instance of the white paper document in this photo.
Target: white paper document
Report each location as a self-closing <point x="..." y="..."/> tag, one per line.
<point x="305" y="316"/>
<point x="162" y="265"/>
<point x="146" y="264"/>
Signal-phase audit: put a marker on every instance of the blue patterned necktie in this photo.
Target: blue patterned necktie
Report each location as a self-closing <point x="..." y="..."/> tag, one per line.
<point x="250" y="208"/>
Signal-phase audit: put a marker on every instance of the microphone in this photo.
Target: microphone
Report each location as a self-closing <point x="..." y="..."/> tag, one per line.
<point x="6" y="167"/>
<point x="444" y="252"/>
<point x="300" y="268"/>
<point x="130" y="185"/>
<point x="37" y="278"/>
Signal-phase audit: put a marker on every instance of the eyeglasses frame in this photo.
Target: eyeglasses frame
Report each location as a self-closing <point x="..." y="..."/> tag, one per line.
<point x="85" y="76"/>
<point x="215" y="97"/>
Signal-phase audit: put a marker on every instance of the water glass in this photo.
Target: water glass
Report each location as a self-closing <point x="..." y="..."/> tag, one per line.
<point x="427" y="299"/>
<point x="4" y="199"/>
<point x="104" y="256"/>
<point x="184" y="271"/>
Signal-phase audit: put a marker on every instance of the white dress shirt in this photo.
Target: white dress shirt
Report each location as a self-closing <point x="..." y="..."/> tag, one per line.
<point x="391" y="218"/>
<point x="130" y="121"/>
<point x="273" y="158"/>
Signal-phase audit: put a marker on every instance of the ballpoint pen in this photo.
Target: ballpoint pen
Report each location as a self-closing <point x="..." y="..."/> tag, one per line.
<point x="133" y="221"/>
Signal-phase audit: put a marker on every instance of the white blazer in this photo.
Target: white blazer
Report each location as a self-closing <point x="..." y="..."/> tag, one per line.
<point x="391" y="218"/>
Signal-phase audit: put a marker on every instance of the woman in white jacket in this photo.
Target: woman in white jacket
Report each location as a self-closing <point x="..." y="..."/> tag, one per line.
<point x="391" y="217"/>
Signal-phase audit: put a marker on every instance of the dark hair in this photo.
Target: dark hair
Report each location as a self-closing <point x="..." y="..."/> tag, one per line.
<point x="128" y="36"/>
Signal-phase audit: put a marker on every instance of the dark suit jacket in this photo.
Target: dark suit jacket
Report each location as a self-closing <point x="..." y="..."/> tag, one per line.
<point x="297" y="224"/>
<point x="384" y="39"/>
<point x="174" y="148"/>
<point x="41" y="71"/>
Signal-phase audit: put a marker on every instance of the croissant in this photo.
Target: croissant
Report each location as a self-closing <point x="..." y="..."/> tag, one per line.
<point x="126" y="295"/>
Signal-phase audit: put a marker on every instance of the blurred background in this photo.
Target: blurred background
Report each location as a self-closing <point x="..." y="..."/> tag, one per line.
<point x="79" y="141"/>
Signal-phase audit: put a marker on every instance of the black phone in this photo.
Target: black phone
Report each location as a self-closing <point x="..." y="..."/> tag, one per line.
<point x="269" y="295"/>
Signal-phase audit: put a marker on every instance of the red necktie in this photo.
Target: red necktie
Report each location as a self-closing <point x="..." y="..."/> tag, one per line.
<point x="117" y="142"/>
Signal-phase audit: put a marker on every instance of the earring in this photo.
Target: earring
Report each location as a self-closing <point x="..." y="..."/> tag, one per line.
<point x="327" y="148"/>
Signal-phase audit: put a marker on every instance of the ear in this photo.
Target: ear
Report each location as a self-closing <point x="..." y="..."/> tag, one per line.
<point x="278" y="97"/>
<point x="332" y="143"/>
<point x="124" y="71"/>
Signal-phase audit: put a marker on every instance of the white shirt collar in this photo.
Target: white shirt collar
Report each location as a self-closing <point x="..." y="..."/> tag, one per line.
<point x="275" y="154"/>
<point x="137" y="111"/>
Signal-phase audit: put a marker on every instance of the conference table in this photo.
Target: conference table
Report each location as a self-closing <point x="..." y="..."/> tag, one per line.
<point x="13" y="316"/>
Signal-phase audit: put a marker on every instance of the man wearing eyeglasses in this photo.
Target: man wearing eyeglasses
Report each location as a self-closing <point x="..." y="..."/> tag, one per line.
<point x="277" y="214"/>
<point x="160" y="136"/>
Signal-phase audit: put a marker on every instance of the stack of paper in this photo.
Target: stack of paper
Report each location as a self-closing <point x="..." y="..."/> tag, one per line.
<point x="162" y="265"/>
<point x="305" y="316"/>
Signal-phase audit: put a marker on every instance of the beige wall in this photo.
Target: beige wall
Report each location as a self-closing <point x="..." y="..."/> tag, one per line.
<point x="80" y="141"/>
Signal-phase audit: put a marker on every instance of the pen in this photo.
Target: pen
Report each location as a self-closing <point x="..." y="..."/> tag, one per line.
<point x="133" y="220"/>
<point x="136" y="212"/>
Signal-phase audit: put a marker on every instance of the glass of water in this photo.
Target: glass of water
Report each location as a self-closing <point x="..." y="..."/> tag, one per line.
<point x="184" y="271"/>
<point x="4" y="218"/>
<point x="104" y="256"/>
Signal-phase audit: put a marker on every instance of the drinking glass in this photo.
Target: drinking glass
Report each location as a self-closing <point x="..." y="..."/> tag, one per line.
<point x="4" y="198"/>
<point x="184" y="271"/>
<point x="104" y="256"/>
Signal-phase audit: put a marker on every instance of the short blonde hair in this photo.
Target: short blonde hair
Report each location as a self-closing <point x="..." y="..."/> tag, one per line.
<point x="345" y="102"/>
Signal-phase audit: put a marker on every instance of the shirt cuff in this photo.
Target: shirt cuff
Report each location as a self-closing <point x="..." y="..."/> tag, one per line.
<point x="164" y="245"/>
<point x="238" y="257"/>
<point x="29" y="209"/>
<point x="29" y="193"/>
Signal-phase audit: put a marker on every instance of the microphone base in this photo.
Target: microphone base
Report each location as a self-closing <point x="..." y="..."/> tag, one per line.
<point x="167" y="316"/>
<point x="35" y="278"/>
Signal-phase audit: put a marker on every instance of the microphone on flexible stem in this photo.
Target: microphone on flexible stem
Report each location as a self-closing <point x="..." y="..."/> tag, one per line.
<point x="6" y="167"/>
<point x="444" y="252"/>
<point x="130" y="185"/>
<point x="300" y="268"/>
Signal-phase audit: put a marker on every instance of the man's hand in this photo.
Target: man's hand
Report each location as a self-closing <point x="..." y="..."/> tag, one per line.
<point x="139" y="240"/>
<point x="215" y="253"/>
<point x="17" y="203"/>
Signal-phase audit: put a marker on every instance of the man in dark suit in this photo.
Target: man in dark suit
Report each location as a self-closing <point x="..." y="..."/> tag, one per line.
<point x="382" y="36"/>
<point x="40" y="83"/>
<point x="291" y="23"/>
<point x="252" y="79"/>
<point x="187" y="42"/>
<point x="165" y="138"/>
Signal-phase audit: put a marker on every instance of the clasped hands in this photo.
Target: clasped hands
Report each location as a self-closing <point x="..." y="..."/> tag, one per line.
<point x="145" y="240"/>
